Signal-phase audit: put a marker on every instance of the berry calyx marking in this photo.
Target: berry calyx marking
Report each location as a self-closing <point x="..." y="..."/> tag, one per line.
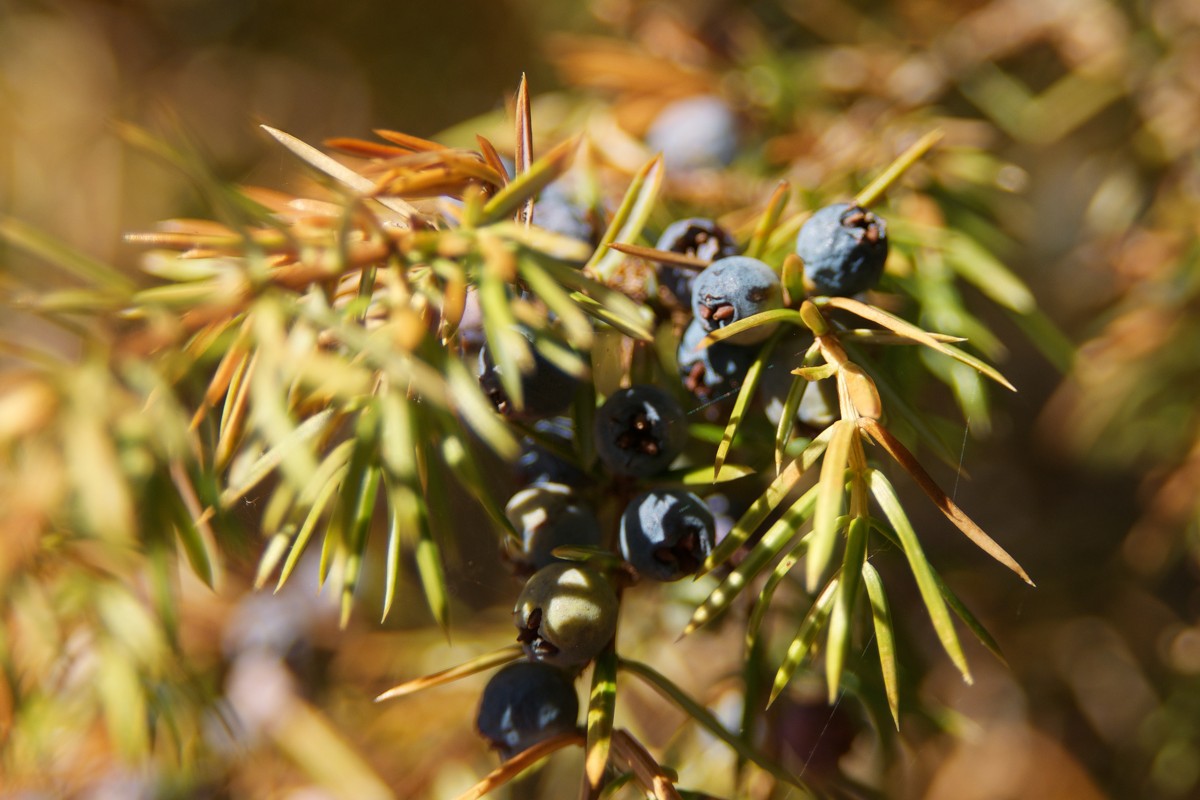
<point x="532" y="638"/>
<point x="498" y="398"/>
<point x="715" y="308"/>
<point x="865" y="221"/>
<point x="699" y="242"/>
<point x="639" y="436"/>
<point x="694" y="381"/>
<point x="682" y="553"/>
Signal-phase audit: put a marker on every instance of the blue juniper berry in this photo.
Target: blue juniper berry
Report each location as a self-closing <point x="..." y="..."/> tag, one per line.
<point x="844" y="248"/>
<point x="732" y="289"/>
<point x="525" y="703"/>
<point x="547" y="390"/>
<point x="696" y="132"/>
<point x="547" y="516"/>
<point x="639" y="431"/>
<point x="696" y="236"/>
<point x="713" y="370"/>
<point x="667" y="534"/>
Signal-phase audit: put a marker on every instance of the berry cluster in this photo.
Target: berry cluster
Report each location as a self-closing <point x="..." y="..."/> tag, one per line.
<point x="566" y="613"/>
<point x="471" y="309"/>
<point x="843" y="249"/>
<point x="697" y="237"/>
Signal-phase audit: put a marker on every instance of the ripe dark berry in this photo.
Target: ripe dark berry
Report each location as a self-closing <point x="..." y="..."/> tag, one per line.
<point x="695" y="133"/>
<point x="566" y="614"/>
<point x="714" y="370"/>
<point x="666" y="535"/>
<point x="844" y="248"/>
<point x="525" y="703"/>
<point x="547" y="390"/>
<point x="818" y="735"/>
<point x="639" y="431"/>
<point x="547" y="516"/>
<point x="732" y="289"/>
<point x="697" y="237"/>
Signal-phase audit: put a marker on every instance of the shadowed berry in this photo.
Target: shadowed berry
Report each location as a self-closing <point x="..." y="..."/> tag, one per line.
<point x="698" y="237"/>
<point x="540" y="464"/>
<point x="547" y="516"/>
<point x="639" y="431"/>
<point x="844" y="248"/>
<point x="526" y="703"/>
<point x="812" y="733"/>
<point x="547" y="390"/>
<point x="666" y="535"/>
<point x="566" y="614"/>
<point x="819" y="403"/>
<point x="714" y="370"/>
<point x="732" y="289"/>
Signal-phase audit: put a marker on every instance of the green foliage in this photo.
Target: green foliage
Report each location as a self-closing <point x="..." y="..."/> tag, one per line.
<point x="328" y="346"/>
<point x="307" y="354"/>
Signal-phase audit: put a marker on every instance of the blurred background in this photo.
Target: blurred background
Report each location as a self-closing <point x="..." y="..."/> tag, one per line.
<point x="1090" y="475"/>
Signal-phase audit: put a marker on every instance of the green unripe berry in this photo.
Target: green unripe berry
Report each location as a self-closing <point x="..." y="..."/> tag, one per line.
<point x="566" y="614"/>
